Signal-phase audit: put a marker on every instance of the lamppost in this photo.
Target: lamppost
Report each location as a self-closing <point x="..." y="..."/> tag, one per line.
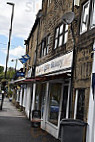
<point x="15" y="63"/>
<point x="10" y="33"/>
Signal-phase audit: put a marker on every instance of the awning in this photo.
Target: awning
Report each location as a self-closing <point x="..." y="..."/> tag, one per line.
<point x="58" y="75"/>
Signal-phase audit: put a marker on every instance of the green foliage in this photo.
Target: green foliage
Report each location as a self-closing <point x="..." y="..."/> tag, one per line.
<point x="1" y="69"/>
<point x="1" y="72"/>
<point x="1" y="75"/>
<point x="10" y="93"/>
<point x="10" y="73"/>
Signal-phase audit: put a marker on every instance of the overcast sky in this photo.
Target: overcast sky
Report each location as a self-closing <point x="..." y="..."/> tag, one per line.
<point x="24" y="16"/>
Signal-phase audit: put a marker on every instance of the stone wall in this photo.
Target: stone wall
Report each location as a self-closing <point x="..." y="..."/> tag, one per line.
<point x="52" y="17"/>
<point x="83" y="59"/>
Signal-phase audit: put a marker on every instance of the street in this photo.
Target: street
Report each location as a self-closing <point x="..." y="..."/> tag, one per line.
<point x="15" y="127"/>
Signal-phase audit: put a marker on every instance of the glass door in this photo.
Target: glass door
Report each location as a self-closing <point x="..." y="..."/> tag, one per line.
<point x="64" y="102"/>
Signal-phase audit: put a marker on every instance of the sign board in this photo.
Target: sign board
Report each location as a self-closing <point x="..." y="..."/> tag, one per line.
<point x="60" y="63"/>
<point x="20" y="74"/>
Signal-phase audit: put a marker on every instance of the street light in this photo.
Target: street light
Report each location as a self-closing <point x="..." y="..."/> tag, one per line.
<point x="10" y="33"/>
<point x="15" y="63"/>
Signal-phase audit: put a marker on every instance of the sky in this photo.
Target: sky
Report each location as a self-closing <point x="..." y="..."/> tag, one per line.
<point x="24" y="16"/>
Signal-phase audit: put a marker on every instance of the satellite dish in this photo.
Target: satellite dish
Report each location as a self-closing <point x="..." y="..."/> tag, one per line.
<point x="68" y="18"/>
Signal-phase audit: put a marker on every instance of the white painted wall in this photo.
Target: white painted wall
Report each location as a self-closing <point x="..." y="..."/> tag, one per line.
<point x="17" y="99"/>
<point x="20" y="103"/>
<point x="43" y="123"/>
<point x="24" y="97"/>
<point x="28" y="100"/>
<point x="33" y="99"/>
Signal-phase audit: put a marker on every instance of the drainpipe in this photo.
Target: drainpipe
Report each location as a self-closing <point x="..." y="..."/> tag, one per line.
<point x="73" y="65"/>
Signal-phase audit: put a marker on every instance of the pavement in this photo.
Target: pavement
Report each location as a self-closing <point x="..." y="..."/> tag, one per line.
<point x="15" y="127"/>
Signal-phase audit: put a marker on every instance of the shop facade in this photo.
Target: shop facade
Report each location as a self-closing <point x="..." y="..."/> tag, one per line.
<point x="51" y="95"/>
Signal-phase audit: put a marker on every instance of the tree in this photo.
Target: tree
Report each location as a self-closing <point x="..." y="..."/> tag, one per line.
<point x="1" y="72"/>
<point x="1" y="69"/>
<point x="10" y="73"/>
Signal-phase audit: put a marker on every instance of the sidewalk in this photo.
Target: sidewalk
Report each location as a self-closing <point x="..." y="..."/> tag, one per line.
<point x="15" y="127"/>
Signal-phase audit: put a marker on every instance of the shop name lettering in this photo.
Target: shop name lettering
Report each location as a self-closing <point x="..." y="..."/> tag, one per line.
<point x="45" y="68"/>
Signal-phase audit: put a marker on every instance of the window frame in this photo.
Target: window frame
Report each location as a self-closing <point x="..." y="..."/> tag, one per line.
<point x="49" y="2"/>
<point x="82" y="16"/>
<point x="63" y="33"/>
<point x="92" y="13"/>
<point x="45" y="48"/>
<point x="77" y="95"/>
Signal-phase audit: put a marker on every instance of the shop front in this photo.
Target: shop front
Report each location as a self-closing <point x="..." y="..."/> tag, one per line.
<point x="52" y="95"/>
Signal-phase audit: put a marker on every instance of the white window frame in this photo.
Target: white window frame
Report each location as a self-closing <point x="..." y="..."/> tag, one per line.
<point x="92" y="14"/>
<point x="49" y="2"/>
<point x="62" y="34"/>
<point x="76" y="101"/>
<point x="76" y="2"/>
<point x="83" y="8"/>
<point x="45" y="46"/>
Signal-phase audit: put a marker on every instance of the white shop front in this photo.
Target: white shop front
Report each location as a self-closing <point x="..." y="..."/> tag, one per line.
<point x="52" y="94"/>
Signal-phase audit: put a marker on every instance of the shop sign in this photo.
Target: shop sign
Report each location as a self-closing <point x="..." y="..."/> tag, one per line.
<point x="60" y="63"/>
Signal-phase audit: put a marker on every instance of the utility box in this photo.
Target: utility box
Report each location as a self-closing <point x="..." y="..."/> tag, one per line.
<point x="72" y="130"/>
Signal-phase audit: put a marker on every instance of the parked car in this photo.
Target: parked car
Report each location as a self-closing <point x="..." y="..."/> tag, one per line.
<point x="54" y="109"/>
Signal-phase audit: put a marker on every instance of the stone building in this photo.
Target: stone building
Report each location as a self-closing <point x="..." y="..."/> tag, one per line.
<point x="54" y="55"/>
<point x="50" y="86"/>
<point x="84" y="60"/>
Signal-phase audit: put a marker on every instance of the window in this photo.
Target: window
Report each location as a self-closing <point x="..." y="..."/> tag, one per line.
<point x="45" y="46"/>
<point x="92" y="20"/>
<point x="64" y="102"/>
<point x="84" y="18"/>
<point x="40" y="98"/>
<point x="54" y="103"/>
<point x="88" y="15"/>
<point x="76" y="2"/>
<point x="61" y="35"/>
<point x="80" y="104"/>
<point x="49" y="2"/>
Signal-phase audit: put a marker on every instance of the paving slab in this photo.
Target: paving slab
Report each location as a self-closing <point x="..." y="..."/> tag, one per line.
<point x="15" y="127"/>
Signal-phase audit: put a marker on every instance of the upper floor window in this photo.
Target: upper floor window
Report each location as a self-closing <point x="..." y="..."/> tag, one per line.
<point x="45" y="46"/>
<point x="61" y="35"/>
<point x="49" y="2"/>
<point x="84" y="18"/>
<point x="76" y="2"/>
<point x="92" y="20"/>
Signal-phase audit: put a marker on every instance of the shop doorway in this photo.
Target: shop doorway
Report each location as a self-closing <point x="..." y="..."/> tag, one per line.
<point x="64" y="102"/>
<point x="40" y="98"/>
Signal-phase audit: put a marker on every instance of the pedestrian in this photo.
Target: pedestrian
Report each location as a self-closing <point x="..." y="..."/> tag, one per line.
<point x="2" y="100"/>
